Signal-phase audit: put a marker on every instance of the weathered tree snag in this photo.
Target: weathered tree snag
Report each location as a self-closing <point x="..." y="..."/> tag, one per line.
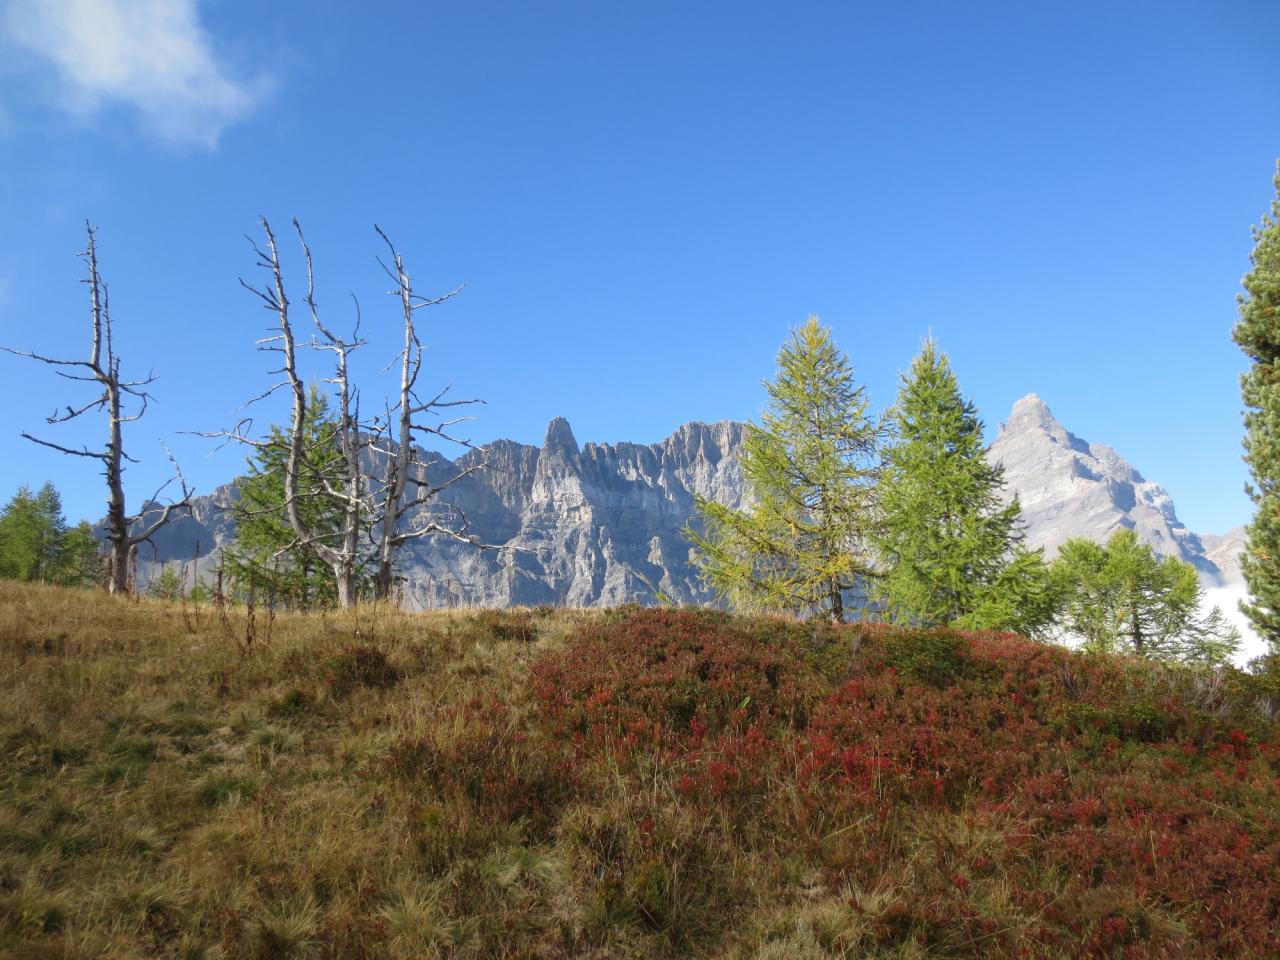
<point x="343" y="482"/>
<point x="402" y="454"/>
<point x="103" y="368"/>
<point x="373" y="507"/>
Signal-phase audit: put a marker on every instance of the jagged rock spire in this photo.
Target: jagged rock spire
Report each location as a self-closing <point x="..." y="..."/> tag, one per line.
<point x="559" y="440"/>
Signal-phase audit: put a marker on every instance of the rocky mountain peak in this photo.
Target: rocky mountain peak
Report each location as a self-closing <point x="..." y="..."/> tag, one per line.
<point x="560" y="440"/>
<point x="1032" y="416"/>
<point x="1071" y="488"/>
<point x="1031" y="408"/>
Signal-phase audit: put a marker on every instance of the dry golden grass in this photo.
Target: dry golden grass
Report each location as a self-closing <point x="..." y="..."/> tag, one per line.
<point x="163" y="793"/>
<point x="374" y="784"/>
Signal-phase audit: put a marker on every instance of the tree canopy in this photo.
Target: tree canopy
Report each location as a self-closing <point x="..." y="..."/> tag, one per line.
<point x="37" y="545"/>
<point x="1121" y="597"/>
<point x="1258" y="334"/>
<point x="949" y="542"/>
<point x="804" y="542"/>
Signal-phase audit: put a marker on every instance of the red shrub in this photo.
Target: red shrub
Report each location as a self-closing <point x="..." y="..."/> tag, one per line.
<point x="1133" y="819"/>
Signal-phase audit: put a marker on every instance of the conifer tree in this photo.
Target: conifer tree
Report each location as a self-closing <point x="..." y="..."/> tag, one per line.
<point x="1258" y="334"/>
<point x="79" y="559"/>
<point x="950" y="543"/>
<point x="804" y="541"/>
<point x="29" y="534"/>
<point x="265" y="555"/>
<point x="36" y="544"/>
<point x="1122" y="598"/>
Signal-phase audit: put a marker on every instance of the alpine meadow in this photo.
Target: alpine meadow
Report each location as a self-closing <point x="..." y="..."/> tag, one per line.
<point x="322" y="634"/>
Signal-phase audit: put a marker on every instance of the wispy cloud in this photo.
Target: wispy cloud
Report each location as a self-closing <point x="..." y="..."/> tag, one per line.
<point x="151" y="55"/>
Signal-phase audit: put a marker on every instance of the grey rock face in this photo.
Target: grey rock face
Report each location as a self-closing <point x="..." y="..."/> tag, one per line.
<point x="602" y="524"/>
<point x="1224" y="550"/>
<point x="1070" y="488"/>
<point x="593" y="526"/>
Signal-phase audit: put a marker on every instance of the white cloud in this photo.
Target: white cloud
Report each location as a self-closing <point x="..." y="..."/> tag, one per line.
<point x="152" y="55"/>
<point x="1228" y="598"/>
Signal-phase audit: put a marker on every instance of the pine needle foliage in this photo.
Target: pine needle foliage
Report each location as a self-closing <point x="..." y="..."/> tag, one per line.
<point x="1121" y="598"/>
<point x="950" y="542"/>
<point x="1258" y="334"/>
<point x="37" y="545"/>
<point x="265" y="557"/>
<point x="804" y="542"/>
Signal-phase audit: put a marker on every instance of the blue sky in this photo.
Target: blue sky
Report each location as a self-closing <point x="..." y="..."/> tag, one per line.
<point x="641" y="200"/>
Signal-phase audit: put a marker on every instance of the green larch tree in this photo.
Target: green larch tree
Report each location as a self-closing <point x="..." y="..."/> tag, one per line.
<point x="803" y="544"/>
<point x="1258" y="334"/>
<point x="80" y="557"/>
<point x="31" y="532"/>
<point x="950" y="544"/>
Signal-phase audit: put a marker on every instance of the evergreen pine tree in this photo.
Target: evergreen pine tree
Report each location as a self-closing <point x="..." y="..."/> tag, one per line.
<point x="37" y="546"/>
<point x="260" y="558"/>
<point x="1122" y="598"/>
<point x="804" y="541"/>
<point x="950" y="544"/>
<point x="80" y="560"/>
<point x="1258" y="334"/>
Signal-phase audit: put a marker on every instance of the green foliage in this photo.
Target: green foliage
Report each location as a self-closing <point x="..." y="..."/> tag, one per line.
<point x="949" y="543"/>
<point x="264" y="558"/>
<point x="167" y="586"/>
<point x="78" y="561"/>
<point x="37" y="546"/>
<point x="1024" y="597"/>
<point x="809" y="467"/>
<point x="1258" y="335"/>
<point x="1121" y="597"/>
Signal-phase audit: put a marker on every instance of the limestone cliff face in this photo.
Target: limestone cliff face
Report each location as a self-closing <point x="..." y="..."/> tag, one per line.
<point x="597" y="525"/>
<point x="1070" y="488"/>
<point x="602" y="524"/>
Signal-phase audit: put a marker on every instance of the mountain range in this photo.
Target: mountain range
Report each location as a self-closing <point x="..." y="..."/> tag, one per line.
<point x="602" y="524"/>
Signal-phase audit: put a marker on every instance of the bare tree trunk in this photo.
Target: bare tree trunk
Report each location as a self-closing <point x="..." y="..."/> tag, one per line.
<point x="339" y="551"/>
<point x="345" y="588"/>
<point x="401" y="456"/>
<point x="103" y="368"/>
<point x="837" y="602"/>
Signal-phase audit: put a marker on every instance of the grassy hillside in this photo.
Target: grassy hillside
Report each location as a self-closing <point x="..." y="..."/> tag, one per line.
<point x="633" y="784"/>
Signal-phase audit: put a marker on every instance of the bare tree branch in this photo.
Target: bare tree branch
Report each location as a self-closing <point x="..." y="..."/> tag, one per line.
<point x="82" y="452"/>
<point x="104" y="369"/>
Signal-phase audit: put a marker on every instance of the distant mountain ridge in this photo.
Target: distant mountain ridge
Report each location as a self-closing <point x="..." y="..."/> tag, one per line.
<point x="602" y="524"/>
<point x="599" y="525"/>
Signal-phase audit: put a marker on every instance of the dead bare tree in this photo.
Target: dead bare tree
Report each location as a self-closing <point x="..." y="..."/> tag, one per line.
<point x="310" y="473"/>
<point x="373" y="506"/>
<point x="103" y="368"/>
<point x="403" y="424"/>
